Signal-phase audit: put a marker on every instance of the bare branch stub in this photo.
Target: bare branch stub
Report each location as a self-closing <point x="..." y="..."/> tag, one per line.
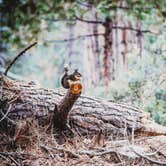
<point x="65" y="105"/>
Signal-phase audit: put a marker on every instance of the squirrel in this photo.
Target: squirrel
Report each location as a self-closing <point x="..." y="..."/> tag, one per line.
<point x="66" y="78"/>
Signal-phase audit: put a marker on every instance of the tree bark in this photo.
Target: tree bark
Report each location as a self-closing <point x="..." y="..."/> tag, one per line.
<point x="109" y="57"/>
<point x="87" y="115"/>
<point x="116" y="46"/>
<point x="20" y="101"/>
<point x="108" y="50"/>
<point x="124" y="42"/>
<point x="96" y="50"/>
<point x="139" y="37"/>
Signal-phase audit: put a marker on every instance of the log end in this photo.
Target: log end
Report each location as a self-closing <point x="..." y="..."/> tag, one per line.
<point x="76" y="88"/>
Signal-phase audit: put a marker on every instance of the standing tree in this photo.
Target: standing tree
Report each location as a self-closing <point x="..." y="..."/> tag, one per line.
<point x="30" y="14"/>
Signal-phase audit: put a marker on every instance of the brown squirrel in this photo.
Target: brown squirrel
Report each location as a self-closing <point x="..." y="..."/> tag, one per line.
<point x="66" y="78"/>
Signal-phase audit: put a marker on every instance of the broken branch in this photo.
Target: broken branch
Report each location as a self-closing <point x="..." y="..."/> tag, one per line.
<point x="75" y="38"/>
<point x="21" y="53"/>
<point x="148" y="158"/>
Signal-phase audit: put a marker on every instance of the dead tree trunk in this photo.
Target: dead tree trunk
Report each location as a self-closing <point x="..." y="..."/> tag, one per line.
<point x="87" y="115"/>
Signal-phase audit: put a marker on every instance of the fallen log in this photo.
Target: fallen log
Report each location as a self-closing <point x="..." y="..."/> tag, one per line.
<point x="86" y="116"/>
<point x="14" y="108"/>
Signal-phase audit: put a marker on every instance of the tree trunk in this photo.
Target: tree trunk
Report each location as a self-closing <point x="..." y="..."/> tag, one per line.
<point x="139" y="37"/>
<point x="116" y="46"/>
<point x="108" y="50"/>
<point x="96" y="50"/>
<point x="88" y="115"/>
<point x="124" y="42"/>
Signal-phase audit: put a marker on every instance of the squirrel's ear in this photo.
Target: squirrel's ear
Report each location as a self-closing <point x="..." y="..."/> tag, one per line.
<point x="76" y="70"/>
<point x="66" y="67"/>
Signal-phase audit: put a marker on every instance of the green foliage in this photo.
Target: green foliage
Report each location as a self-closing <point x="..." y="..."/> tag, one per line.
<point x="25" y="16"/>
<point x="159" y="106"/>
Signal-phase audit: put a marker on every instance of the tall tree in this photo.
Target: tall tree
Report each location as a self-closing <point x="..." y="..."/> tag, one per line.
<point x="96" y="48"/>
<point x="108" y="48"/>
<point x="24" y="17"/>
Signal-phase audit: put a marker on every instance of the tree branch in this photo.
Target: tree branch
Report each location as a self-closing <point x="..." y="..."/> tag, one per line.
<point x="7" y="155"/>
<point x="73" y="154"/>
<point x="77" y="19"/>
<point x="88" y="21"/>
<point x="102" y="22"/>
<point x="134" y="29"/>
<point x="11" y="75"/>
<point x="14" y="60"/>
<point x="92" y="153"/>
<point x="5" y="115"/>
<point x="147" y="158"/>
<point x="117" y="7"/>
<point x="60" y="20"/>
<point x="75" y="38"/>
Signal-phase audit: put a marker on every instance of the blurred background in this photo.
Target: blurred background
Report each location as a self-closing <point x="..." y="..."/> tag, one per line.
<point x="119" y="46"/>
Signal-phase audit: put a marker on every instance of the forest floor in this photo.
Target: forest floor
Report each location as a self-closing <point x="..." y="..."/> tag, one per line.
<point x="40" y="148"/>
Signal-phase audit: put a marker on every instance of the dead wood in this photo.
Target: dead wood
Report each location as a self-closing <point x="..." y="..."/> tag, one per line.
<point x="15" y="59"/>
<point x="14" y="107"/>
<point x="148" y="158"/>
<point x="76" y="150"/>
<point x="86" y="116"/>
